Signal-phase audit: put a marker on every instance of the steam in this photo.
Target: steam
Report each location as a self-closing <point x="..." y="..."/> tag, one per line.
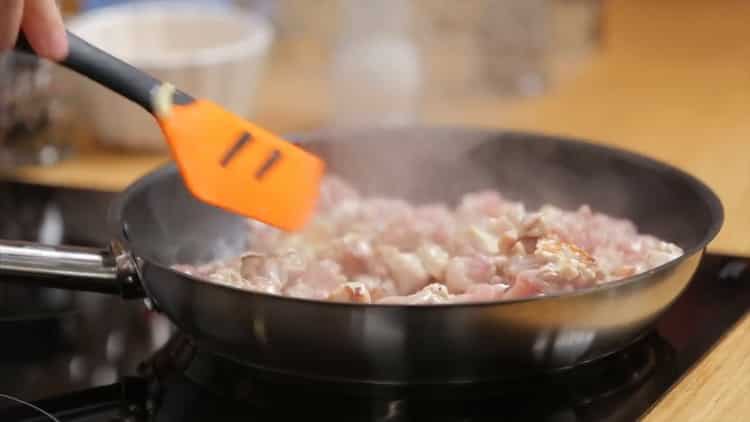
<point x="170" y="226"/>
<point x="441" y="165"/>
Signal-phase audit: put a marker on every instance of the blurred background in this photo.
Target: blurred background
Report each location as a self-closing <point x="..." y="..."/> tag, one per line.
<point x="295" y="65"/>
<point x="290" y="65"/>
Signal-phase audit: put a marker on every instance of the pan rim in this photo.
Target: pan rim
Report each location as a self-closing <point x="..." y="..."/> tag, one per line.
<point x="712" y="201"/>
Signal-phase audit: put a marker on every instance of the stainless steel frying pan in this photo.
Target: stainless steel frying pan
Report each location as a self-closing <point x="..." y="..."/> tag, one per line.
<point x="160" y="224"/>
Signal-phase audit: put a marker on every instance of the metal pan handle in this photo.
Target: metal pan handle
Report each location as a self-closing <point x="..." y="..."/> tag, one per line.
<point x="109" y="271"/>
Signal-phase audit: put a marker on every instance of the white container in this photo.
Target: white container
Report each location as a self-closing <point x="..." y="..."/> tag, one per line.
<point x="212" y="52"/>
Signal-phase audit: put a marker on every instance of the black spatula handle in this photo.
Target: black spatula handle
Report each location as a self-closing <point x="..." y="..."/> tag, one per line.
<point x="113" y="73"/>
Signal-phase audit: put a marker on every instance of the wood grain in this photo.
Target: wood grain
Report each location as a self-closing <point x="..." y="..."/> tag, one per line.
<point x="715" y="390"/>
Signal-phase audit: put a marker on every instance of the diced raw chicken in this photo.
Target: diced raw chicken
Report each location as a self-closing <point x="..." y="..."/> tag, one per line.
<point x="566" y="263"/>
<point x="378" y="287"/>
<point x="403" y="233"/>
<point x="554" y="267"/>
<point x="431" y="294"/>
<point x="624" y="271"/>
<point x="406" y="269"/>
<point x="659" y="253"/>
<point x="280" y="267"/>
<point x="484" y="293"/>
<point x="352" y="252"/>
<point x="317" y="281"/>
<point x="482" y="241"/>
<point x="507" y="241"/>
<point x="522" y="287"/>
<point x="434" y="258"/>
<point x="364" y="250"/>
<point x="262" y="266"/>
<point x="351" y="292"/>
<point x="227" y="276"/>
<point x="462" y="272"/>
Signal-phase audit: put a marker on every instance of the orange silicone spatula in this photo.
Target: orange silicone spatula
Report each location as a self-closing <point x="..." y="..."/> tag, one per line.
<point x="224" y="160"/>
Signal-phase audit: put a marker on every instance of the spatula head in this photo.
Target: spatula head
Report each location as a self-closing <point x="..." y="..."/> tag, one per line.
<point x="230" y="163"/>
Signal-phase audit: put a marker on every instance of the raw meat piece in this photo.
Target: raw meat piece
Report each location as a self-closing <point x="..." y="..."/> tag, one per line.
<point x="430" y="294"/>
<point x="318" y="281"/>
<point x="462" y="272"/>
<point x="489" y="248"/>
<point x="406" y="269"/>
<point x="351" y="292"/>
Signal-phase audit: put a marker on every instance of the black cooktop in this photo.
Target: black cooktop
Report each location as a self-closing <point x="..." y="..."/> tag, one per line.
<point x="115" y="361"/>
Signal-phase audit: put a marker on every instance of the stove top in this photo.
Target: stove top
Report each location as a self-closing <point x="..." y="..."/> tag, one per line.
<point x="115" y="361"/>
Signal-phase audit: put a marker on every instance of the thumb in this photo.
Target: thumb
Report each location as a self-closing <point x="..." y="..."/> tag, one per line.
<point x="10" y="19"/>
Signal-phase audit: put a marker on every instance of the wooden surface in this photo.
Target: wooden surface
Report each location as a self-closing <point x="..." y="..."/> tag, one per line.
<point x="717" y="389"/>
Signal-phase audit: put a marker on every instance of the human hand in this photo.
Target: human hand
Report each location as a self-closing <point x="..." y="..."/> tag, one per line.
<point x="40" y="21"/>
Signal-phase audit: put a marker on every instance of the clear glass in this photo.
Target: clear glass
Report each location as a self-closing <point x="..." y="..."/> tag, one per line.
<point x="503" y="47"/>
<point x="34" y="125"/>
<point x="364" y="62"/>
<point x="376" y="74"/>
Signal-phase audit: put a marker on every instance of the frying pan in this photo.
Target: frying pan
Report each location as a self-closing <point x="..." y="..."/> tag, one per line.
<point x="161" y="224"/>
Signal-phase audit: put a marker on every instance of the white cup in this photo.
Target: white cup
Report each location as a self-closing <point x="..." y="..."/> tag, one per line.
<point x="212" y="52"/>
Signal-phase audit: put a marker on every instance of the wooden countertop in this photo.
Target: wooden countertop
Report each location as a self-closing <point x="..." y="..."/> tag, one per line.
<point x="717" y="389"/>
<point x="672" y="82"/>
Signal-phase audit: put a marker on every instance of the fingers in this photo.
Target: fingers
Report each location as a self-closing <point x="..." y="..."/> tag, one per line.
<point x="43" y="26"/>
<point x="10" y="20"/>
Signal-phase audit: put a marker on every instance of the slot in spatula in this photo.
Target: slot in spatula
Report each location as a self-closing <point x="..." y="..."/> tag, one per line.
<point x="224" y="160"/>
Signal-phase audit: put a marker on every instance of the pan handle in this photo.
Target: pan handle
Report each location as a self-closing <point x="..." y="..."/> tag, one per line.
<point x="109" y="270"/>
